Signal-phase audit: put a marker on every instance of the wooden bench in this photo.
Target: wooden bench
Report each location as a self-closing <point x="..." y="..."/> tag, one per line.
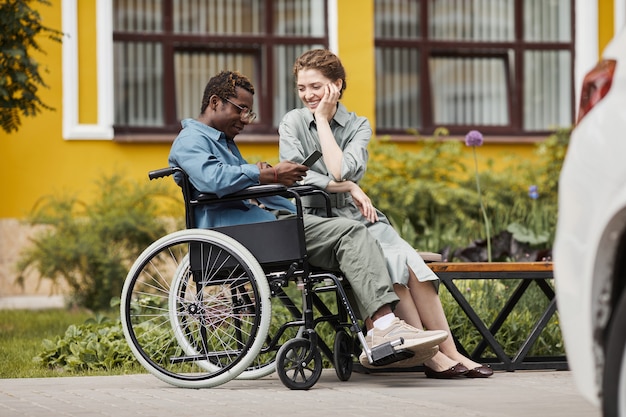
<point x="527" y="273"/>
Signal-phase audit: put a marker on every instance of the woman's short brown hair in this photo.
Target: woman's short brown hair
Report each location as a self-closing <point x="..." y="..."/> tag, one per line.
<point x="325" y="62"/>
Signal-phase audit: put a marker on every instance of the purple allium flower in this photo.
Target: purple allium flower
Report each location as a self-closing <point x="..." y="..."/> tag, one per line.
<point x="533" y="192"/>
<point x="474" y="138"/>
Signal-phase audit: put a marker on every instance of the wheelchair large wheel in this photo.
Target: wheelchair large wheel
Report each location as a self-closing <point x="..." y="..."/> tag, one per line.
<point x="200" y="326"/>
<point x="265" y="362"/>
<point x="299" y="364"/>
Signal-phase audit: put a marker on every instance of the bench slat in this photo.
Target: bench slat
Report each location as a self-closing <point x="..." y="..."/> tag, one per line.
<point x="490" y="266"/>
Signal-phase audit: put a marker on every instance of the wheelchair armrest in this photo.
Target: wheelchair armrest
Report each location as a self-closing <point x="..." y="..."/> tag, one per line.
<point x="305" y="189"/>
<point x="265" y="190"/>
<point x="256" y="191"/>
<point x="302" y="190"/>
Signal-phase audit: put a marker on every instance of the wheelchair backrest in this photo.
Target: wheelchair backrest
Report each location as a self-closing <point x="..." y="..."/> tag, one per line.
<point x="274" y="244"/>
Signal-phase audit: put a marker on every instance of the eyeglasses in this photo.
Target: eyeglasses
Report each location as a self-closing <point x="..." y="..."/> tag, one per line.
<point x="246" y="114"/>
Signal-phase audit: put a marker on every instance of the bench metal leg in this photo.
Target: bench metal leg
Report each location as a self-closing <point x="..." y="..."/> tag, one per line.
<point x="503" y="361"/>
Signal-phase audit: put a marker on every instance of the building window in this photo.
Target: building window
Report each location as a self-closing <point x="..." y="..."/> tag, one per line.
<point x="503" y="66"/>
<point x="165" y="51"/>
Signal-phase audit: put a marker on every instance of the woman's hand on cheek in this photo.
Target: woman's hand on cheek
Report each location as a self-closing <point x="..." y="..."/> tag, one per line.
<point x="328" y="103"/>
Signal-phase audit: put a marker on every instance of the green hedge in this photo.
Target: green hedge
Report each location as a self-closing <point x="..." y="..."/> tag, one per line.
<point x="431" y="197"/>
<point x="89" y="248"/>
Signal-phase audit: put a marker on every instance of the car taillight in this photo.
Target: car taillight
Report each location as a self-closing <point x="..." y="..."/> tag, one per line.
<point x="596" y="85"/>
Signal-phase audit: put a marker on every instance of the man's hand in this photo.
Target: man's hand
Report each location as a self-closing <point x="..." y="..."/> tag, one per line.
<point x="286" y="173"/>
<point x="289" y="172"/>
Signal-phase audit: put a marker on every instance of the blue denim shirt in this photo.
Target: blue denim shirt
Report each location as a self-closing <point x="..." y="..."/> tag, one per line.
<point x="215" y="165"/>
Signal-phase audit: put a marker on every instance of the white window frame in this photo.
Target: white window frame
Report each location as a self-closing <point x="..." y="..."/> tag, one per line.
<point x="72" y="128"/>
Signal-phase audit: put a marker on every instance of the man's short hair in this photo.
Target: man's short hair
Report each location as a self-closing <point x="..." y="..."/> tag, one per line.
<point x="223" y="85"/>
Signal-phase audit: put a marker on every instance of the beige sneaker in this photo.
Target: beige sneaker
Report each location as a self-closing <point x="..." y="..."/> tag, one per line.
<point x="417" y="360"/>
<point x="415" y="340"/>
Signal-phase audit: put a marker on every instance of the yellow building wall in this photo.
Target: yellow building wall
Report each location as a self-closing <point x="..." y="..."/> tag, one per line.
<point x="356" y="50"/>
<point x="87" y="74"/>
<point x="606" y="23"/>
<point x="38" y="161"/>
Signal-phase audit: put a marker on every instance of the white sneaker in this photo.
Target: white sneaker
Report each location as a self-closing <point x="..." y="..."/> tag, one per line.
<point x="415" y="340"/>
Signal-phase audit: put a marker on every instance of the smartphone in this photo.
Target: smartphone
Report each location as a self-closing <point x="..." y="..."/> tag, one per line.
<point x="311" y="159"/>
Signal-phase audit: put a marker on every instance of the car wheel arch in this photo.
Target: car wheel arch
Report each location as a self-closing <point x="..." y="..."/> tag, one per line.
<point x="609" y="284"/>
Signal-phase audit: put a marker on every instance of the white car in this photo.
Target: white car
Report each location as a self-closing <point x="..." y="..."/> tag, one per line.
<point x="590" y="245"/>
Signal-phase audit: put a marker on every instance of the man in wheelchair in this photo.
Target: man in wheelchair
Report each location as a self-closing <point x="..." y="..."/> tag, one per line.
<point x="206" y="151"/>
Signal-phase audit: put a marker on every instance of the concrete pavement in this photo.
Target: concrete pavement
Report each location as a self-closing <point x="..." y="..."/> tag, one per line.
<point x="506" y="394"/>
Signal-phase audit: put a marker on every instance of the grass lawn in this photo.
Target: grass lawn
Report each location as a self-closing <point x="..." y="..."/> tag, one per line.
<point x="21" y="334"/>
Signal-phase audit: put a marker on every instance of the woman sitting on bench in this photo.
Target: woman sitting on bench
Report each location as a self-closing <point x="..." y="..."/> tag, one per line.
<point x="325" y="124"/>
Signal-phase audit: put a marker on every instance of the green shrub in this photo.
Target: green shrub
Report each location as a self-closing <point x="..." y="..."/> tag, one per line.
<point x="431" y="197"/>
<point x="89" y="248"/>
<point x="98" y="344"/>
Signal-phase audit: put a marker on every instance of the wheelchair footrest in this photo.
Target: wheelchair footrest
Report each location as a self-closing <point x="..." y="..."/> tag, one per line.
<point x="385" y="354"/>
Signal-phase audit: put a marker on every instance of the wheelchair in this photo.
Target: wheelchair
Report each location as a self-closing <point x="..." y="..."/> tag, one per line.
<point x="197" y="304"/>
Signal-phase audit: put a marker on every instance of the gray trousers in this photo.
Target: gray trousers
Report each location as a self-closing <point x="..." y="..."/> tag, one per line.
<point x="346" y="245"/>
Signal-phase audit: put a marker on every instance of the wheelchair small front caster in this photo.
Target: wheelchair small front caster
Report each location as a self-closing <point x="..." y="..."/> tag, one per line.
<point x="298" y="364"/>
<point x="342" y="355"/>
